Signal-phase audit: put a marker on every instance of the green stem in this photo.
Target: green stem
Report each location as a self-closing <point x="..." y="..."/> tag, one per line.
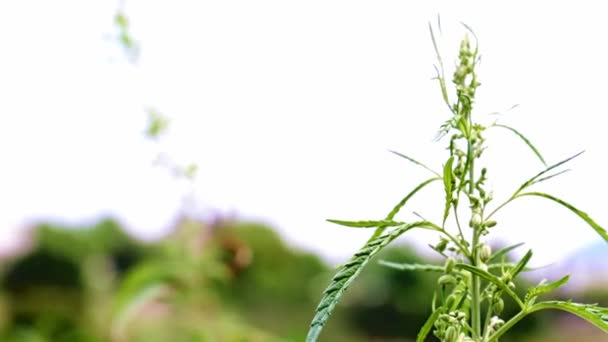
<point x="487" y="321"/>
<point x="501" y="206"/>
<point x="458" y="222"/>
<point x="508" y="325"/>
<point x="476" y="283"/>
<point x="475" y="295"/>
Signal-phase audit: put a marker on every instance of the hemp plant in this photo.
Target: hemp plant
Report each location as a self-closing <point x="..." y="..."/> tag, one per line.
<point x="474" y="281"/>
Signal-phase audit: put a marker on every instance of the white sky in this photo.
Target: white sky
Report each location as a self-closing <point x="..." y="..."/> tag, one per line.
<point x="289" y="109"/>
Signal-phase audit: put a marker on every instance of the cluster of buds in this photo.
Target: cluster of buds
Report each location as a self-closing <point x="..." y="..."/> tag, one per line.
<point x="495" y="324"/>
<point x="464" y="76"/>
<point x="449" y="327"/>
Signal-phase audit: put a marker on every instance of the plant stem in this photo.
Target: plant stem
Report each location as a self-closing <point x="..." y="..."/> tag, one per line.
<point x="475" y="288"/>
<point x="508" y="325"/>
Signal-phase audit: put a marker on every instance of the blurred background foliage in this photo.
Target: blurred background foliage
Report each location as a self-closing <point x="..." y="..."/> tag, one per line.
<point x="226" y="280"/>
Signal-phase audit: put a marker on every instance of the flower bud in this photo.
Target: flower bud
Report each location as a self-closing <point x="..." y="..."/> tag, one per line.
<point x="490" y="223"/>
<point x="496" y="322"/>
<point x="446" y="279"/>
<point x="485" y="252"/>
<point x="449" y="302"/>
<point x="489" y="196"/>
<point x="498" y="305"/>
<point x="451" y="334"/>
<point x="475" y="220"/>
<point x="449" y="265"/>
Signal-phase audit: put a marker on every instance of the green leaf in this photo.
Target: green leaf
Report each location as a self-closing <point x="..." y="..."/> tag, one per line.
<point x="551" y="176"/>
<point x="440" y="76"/>
<point x="526" y="140"/>
<point x="601" y="231"/>
<point x="157" y="123"/>
<point x="412" y="267"/>
<point x="521" y="264"/>
<point x="400" y="205"/>
<point x="447" y="183"/>
<point x="432" y="268"/>
<point x="428" y="325"/>
<point x="120" y="19"/>
<point x="367" y="224"/>
<point x="415" y="162"/>
<point x="543" y="288"/>
<point x="142" y="277"/>
<point x="136" y="303"/>
<point x="493" y="279"/>
<point x="535" y="180"/>
<point x="503" y="251"/>
<point x="142" y="284"/>
<point x="347" y="273"/>
<point x="592" y="313"/>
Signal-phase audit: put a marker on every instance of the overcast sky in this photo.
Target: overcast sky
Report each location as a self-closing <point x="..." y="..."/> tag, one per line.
<point x="289" y="109"/>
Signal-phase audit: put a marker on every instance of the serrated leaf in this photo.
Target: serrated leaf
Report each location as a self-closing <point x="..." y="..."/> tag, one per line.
<point x="583" y="215"/>
<point x="545" y="288"/>
<point x="412" y="160"/>
<point x="428" y="325"/>
<point x="346" y="274"/>
<point x="503" y="251"/>
<point x="412" y="267"/>
<point x="367" y="224"/>
<point x="493" y="279"/>
<point x="447" y="183"/>
<point x="526" y="140"/>
<point x="434" y="268"/>
<point x="592" y="313"/>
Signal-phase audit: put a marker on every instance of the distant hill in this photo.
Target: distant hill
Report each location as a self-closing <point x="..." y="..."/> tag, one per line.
<point x="588" y="268"/>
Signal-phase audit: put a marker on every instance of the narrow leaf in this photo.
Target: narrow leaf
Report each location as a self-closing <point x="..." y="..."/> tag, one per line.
<point x="415" y="162"/>
<point x="412" y="267"/>
<point x="592" y="313"/>
<point x="440" y="74"/>
<point x="583" y="215"/>
<point x="493" y="279"/>
<point x="534" y="179"/>
<point x="345" y="276"/>
<point x="551" y="176"/>
<point x="503" y="251"/>
<point x="429" y="267"/>
<point x="521" y="265"/>
<point x="367" y="224"/>
<point x="400" y="205"/>
<point x="526" y="140"/>
<point x="545" y="288"/>
<point x="447" y="182"/>
<point x="428" y="325"/>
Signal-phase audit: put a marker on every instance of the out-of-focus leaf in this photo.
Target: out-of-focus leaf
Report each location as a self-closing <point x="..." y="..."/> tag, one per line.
<point x="345" y="276"/>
